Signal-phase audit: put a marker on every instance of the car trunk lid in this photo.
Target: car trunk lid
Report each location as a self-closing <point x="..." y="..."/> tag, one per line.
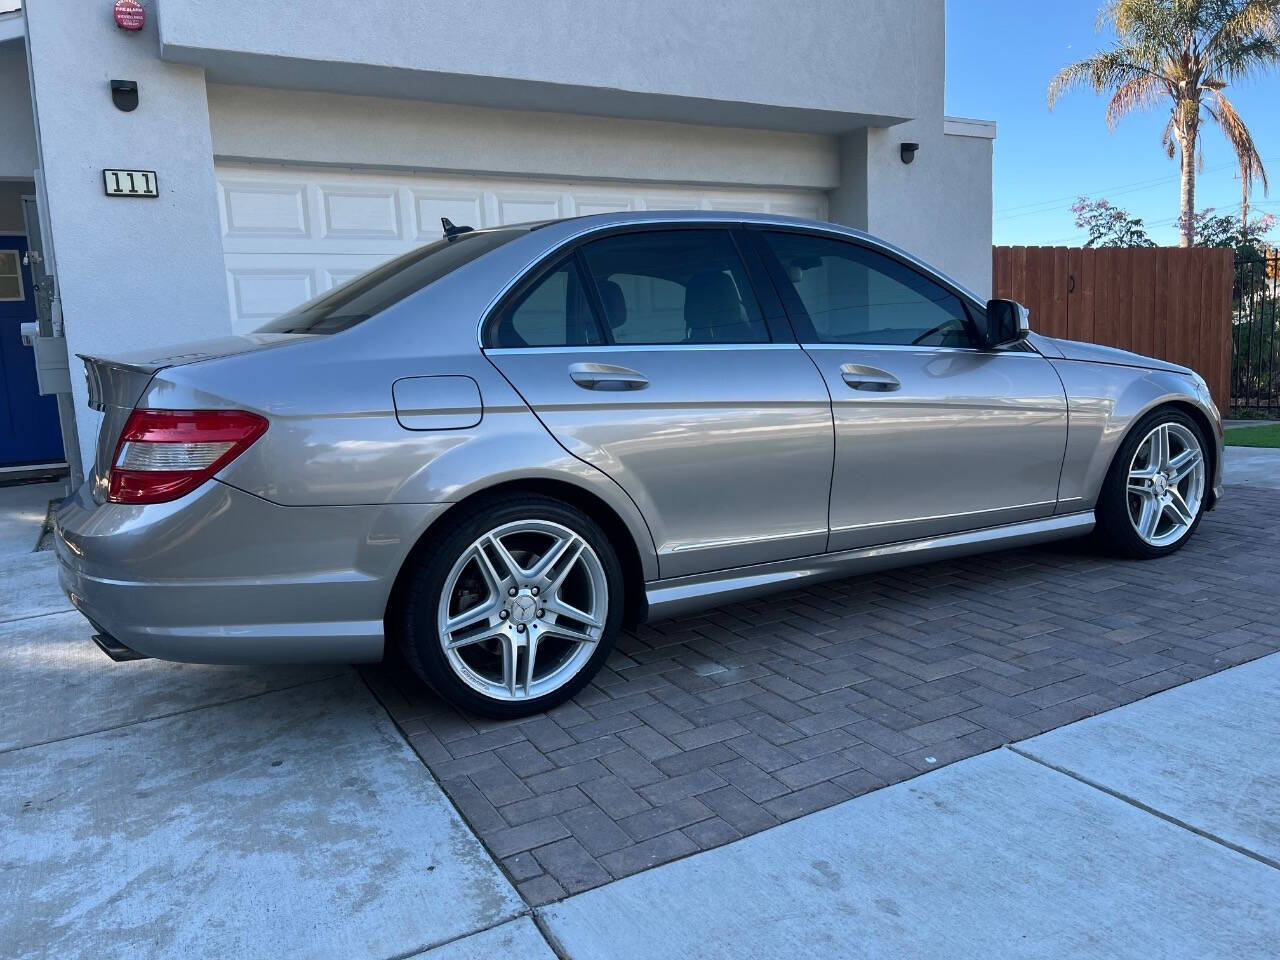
<point x="117" y="383"/>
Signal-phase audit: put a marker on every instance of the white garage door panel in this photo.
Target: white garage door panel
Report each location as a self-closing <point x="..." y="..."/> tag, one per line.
<point x="292" y="233"/>
<point x="260" y="294"/>
<point x="276" y="210"/>
<point x="364" y="213"/>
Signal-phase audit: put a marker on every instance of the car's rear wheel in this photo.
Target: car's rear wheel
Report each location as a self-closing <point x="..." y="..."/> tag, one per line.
<point x="514" y="608"/>
<point x="1155" y="493"/>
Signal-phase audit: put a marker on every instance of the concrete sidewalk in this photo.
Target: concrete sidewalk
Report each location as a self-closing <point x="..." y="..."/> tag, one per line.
<point x="154" y="809"/>
<point x="1253" y="467"/>
<point x="1149" y="831"/>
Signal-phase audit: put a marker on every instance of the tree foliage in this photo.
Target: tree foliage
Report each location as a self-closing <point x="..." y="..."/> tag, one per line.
<point x="1109" y="225"/>
<point x="1183" y="54"/>
<point x="1248" y="240"/>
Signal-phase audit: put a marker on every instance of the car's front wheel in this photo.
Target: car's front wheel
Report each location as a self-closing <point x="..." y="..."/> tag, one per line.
<point x="1155" y="493"/>
<point x="514" y="608"/>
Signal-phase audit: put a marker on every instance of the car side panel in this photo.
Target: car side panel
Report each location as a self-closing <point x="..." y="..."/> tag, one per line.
<point x="727" y="450"/>
<point x="969" y="439"/>
<point x="1104" y="401"/>
<point x="335" y="439"/>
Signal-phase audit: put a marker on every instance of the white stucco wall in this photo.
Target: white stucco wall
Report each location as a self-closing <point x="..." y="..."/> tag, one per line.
<point x="131" y="272"/>
<point x="718" y="61"/>
<point x="939" y="206"/>
<point x="17" y="131"/>
<point x="252" y="123"/>
<point x="965" y="218"/>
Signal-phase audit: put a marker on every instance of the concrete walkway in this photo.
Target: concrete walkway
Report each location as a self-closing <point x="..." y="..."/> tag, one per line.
<point x="153" y="809"/>
<point x="165" y="810"/>
<point x="1253" y="467"/>
<point x="1149" y="831"/>
<point x="1233" y="424"/>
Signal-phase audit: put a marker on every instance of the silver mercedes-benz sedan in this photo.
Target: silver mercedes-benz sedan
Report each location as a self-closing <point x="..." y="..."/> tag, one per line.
<point x="496" y="450"/>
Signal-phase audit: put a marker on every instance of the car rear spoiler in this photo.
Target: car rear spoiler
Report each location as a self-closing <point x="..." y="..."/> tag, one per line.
<point x="115" y="382"/>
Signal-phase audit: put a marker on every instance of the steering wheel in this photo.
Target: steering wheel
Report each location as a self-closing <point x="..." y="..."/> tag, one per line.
<point x="930" y="332"/>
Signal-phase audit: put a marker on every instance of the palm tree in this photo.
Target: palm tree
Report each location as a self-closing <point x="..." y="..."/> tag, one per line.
<point x="1185" y="52"/>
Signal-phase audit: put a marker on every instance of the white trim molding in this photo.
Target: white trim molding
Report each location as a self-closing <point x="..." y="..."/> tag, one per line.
<point x="966" y="127"/>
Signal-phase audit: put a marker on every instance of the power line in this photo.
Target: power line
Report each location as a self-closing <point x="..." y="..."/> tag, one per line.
<point x="1136" y="186"/>
<point x="1062" y="206"/>
<point x="1007" y="211"/>
<point x="1220" y="211"/>
<point x="1080" y="235"/>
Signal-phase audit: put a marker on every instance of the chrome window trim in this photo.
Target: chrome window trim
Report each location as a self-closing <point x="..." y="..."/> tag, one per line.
<point x="633" y="347"/>
<point x="736" y="221"/>
<point x="921" y="348"/>
<point x="575" y="240"/>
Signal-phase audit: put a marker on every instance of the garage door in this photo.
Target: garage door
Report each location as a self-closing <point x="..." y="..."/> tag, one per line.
<point x="291" y="233"/>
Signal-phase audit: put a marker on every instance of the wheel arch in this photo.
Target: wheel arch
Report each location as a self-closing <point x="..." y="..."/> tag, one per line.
<point x="635" y="606"/>
<point x="1201" y="420"/>
<point x="1210" y="443"/>
<point x="1105" y="403"/>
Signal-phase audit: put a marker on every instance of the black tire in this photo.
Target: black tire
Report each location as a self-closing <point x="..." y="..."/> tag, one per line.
<point x="414" y="621"/>
<point x="1115" y="531"/>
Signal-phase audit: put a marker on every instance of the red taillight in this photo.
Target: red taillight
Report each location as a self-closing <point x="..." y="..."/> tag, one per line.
<point x="165" y="454"/>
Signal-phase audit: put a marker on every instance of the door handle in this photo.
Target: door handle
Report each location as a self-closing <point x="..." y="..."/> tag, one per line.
<point x="605" y="376"/>
<point x="869" y="378"/>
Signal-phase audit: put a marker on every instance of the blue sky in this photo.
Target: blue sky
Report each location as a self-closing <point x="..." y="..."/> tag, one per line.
<point x="1001" y="55"/>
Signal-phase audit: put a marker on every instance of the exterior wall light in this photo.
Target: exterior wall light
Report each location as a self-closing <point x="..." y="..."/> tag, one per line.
<point x="908" y="152"/>
<point x="124" y="94"/>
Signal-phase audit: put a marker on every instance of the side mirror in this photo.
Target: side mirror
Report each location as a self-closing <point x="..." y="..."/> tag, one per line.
<point x="1007" y="322"/>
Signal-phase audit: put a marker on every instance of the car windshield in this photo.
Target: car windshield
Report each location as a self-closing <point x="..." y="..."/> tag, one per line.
<point x="370" y="293"/>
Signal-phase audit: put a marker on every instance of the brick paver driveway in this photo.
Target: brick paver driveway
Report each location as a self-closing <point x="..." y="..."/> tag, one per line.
<point x="704" y="729"/>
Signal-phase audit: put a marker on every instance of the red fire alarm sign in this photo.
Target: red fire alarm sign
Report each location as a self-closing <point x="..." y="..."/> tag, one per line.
<point x="129" y="15"/>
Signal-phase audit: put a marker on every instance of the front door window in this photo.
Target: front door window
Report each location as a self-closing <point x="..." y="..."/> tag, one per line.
<point x="854" y="295"/>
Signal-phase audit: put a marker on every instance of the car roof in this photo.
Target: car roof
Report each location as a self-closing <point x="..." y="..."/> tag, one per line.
<point x="633" y="217"/>
<point x="568" y="228"/>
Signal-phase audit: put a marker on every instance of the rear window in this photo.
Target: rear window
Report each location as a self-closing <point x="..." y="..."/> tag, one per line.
<point x="370" y="293"/>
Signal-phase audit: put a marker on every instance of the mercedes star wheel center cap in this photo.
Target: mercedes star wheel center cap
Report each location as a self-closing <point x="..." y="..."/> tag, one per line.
<point x="523" y="609"/>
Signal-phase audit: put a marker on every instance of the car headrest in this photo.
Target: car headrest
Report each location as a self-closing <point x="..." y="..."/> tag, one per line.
<point x="712" y="309"/>
<point x="615" y="304"/>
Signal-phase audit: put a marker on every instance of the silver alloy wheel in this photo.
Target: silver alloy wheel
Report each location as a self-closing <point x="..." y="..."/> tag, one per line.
<point x="1166" y="484"/>
<point x="522" y="610"/>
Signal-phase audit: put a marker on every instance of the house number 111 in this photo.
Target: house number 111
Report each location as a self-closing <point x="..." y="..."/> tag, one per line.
<point x="130" y="183"/>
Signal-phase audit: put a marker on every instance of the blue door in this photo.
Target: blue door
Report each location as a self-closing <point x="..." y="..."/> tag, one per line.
<point x="29" y="431"/>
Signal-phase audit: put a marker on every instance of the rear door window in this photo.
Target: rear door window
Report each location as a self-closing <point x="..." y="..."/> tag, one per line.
<point x="673" y="287"/>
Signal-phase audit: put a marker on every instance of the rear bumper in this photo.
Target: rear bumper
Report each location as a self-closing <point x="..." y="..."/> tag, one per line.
<point x="222" y="576"/>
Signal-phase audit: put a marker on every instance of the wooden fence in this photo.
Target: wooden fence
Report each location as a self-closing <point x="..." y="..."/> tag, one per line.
<point x="1164" y="302"/>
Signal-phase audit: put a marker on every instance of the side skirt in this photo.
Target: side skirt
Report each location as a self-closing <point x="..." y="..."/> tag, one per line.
<point x="681" y="595"/>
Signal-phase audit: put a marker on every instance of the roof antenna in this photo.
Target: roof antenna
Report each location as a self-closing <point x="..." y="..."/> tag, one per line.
<point x="451" y="230"/>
